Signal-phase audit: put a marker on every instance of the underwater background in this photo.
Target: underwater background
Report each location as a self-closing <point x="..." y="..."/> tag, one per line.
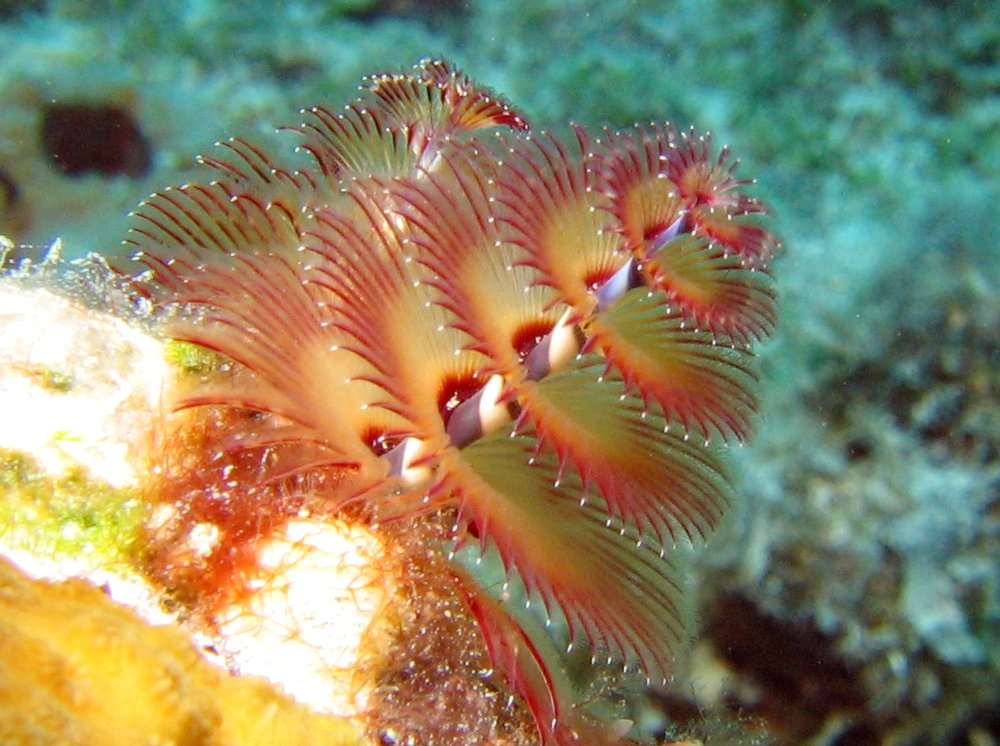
<point x="853" y="597"/>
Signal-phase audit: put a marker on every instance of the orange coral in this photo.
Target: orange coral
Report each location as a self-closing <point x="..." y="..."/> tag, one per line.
<point x="76" y="668"/>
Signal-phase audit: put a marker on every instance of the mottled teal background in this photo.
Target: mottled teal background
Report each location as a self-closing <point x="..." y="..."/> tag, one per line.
<point x="871" y="510"/>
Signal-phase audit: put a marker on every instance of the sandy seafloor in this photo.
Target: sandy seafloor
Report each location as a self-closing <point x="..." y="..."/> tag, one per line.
<point x="854" y="596"/>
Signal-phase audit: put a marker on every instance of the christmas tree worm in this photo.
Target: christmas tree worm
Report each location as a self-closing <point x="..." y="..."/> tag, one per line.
<point x="448" y="327"/>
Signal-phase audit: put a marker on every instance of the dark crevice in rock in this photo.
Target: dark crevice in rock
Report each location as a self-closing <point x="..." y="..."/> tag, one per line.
<point x="81" y="138"/>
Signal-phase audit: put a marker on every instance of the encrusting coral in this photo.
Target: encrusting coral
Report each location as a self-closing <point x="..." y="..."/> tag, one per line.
<point x="460" y="340"/>
<point x="76" y="668"/>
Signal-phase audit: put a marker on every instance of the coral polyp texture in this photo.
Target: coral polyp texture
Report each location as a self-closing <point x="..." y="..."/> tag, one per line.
<point x="473" y="340"/>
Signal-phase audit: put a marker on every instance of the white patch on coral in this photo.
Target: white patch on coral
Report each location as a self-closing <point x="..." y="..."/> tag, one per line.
<point x="74" y="383"/>
<point x="303" y="627"/>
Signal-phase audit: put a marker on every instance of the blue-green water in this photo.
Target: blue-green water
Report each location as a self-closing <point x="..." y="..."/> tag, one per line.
<point x="871" y="499"/>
